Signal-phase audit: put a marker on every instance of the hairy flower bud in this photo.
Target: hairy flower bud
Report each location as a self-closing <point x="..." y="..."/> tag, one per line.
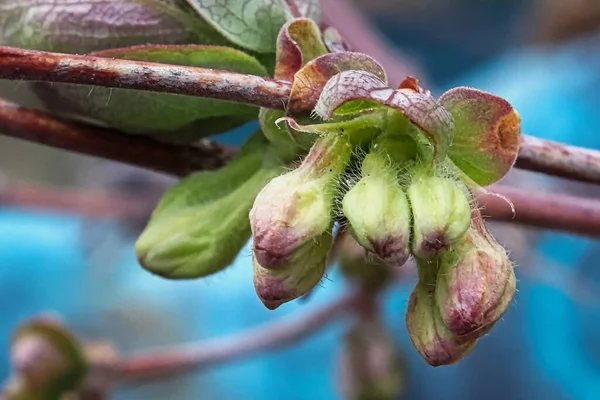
<point x="297" y="207"/>
<point x="378" y="211"/>
<point x="357" y="264"/>
<point x="46" y="358"/>
<point x="476" y="284"/>
<point x="303" y="271"/>
<point x="427" y="331"/>
<point x="371" y="365"/>
<point x="441" y="214"/>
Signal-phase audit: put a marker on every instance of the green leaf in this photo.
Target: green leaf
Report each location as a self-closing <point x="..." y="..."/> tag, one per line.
<point x="252" y="24"/>
<point x="171" y="117"/>
<point x="202" y="223"/>
<point x="487" y="133"/>
<point x="69" y="26"/>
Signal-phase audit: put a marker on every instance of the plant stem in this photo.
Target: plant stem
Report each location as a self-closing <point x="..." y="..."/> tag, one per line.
<point x="163" y="363"/>
<point x="536" y="154"/>
<point x="16" y="64"/>
<point x="543" y="210"/>
<point x="557" y="159"/>
<point x="39" y="127"/>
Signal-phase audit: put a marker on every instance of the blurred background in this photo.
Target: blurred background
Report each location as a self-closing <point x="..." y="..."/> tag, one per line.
<point x="70" y="251"/>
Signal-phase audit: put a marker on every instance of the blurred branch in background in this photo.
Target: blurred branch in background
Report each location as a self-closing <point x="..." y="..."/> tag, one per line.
<point x="542" y="210"/>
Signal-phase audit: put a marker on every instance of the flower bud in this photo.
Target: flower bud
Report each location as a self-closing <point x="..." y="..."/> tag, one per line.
<point x="46" y="358"/>
<point x="476" y="284"/>
<point x="303" y="271"/>
<point x="358" y="265"/>
<point x="371" y="365"/>
<point x="378" y="211"/>
<point x="441" y="214"/>
<point x="297" y="207"/>
<point x="427" y="331"/>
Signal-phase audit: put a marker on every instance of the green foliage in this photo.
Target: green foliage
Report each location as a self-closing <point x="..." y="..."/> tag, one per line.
<point x="167" y="116"/>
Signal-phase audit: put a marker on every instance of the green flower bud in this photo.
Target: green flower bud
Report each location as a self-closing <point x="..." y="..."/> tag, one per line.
<point x="47" y="359"/>
<point x="297" y="207"/>
<point x="358" y="265"/>
<point x="441" y="214"/>
<point x="371" y="365"/>
<point x="303" y="271"/>
<point x="378" y="211"/>
<point x="427" y="331"/>
<point x="476" y="284"/>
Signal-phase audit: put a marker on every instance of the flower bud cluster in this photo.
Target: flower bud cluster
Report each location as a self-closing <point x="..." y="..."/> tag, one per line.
<point x="460" y="296"/>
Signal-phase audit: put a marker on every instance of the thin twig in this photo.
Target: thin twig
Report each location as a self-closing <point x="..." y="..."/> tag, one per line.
<point x="17" y="64"/>
<point x="536" y="154"/>
<point x="163" y="363"/>
<point x="557" y="159"/>
<point x="39" y="127"/>
<point x="544" y="210"/>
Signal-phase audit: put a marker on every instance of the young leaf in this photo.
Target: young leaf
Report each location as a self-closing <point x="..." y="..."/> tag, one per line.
<point x="252" y="24"/>
<point x="69" y="26"/>
<point x="312" y="78"/>
<point x="487" y="133"/>
<point x="158" y="114"/>
<point x="299" y="41"/>
<point x="419" y="108"/>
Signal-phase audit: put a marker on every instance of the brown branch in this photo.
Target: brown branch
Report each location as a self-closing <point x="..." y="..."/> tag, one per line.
<point x="543" y="210"/>
<point x="39" y="127"/>
<point x="163" y="363"/>
<point x="17" y="64"/>
<point x="536" y="154"/>
<point x="557" y="159"/>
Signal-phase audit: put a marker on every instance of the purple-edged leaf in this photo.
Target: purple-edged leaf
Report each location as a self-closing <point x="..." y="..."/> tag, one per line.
<point x="312" y="78"/>
<point x="487" y="133"/>
<point x="161" y="114"/>
<point x="419" y="108"/>
<point x="299" y="41"/>
<point x="80" y="27"/>
<point x="252" y="24"/>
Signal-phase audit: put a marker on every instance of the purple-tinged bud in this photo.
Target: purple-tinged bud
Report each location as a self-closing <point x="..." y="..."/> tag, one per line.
<point x="476" y="283"/>
<point x="297" y="207"/>
<point x="46" y="358"/>
<point x="378" y="211"/>
<point x="303" y="271"/>
<point x="441" y="214"/>
<point x="371" y="365"/>
<point x="358" y="265"/>
<point x="427" y="331"/>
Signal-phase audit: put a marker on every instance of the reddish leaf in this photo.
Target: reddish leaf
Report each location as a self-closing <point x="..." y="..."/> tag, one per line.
<point x="299" y="41"/>
<point x="419" y="108"/>
<point x="310" y="80"/>
<point x="487" y="134"/>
